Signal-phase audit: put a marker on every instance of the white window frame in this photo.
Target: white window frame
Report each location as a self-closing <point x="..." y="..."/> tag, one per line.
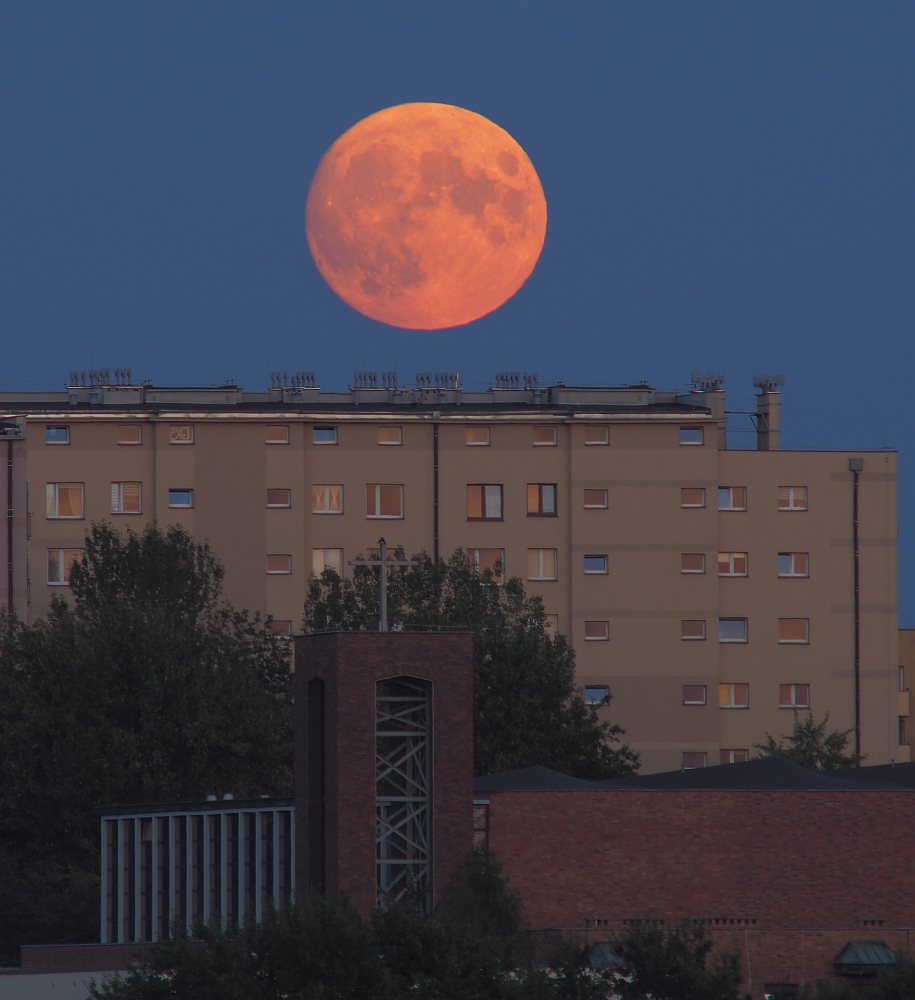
<point x="477" y="444"/>
<point x="693" y="753"/>
<point x="684" y="437"/>
<point x="315" y="428"/>
<point x="473" y="554"/>
<point x="57" y="427"/>
<point x="544" y="444"/>
<point x="130" y="444"/>
<point x="693" y="572"/>
<point x="604" y="637"/>
<point x="746" y="629"/>
<point x="180" y="506"/>
<point x="792" y="565"/>
<point x="694" y="638"/>
<point x="694" y="702"/>
<point x="390" y="427"/>
<point x="597" y="441"/>
<point x="794" y="703"/>
<point x="693" y="506"/>
<point x="595" y="572"/>
<point x="731" y="704"/>
<point x="795" y="642"/>
<point x="491" y="494"/>
<point x="181" y="434"/>
<point x="596" y="506"/>
<point x="590" y="699"/>
<point x="279" y="506"/>
<point x="385" y="517"/>
<point x="731" y="753"/>
<point x="52" y="499"/>
<point x="731" y="505"/>
<point x="326" y="487"/>
<point x="540" y="564"/>
<point x="280" y="439"/>
<point x="792" y="506"/>
<point x="117" y="497"/>
<point x="63" y="566"/>
<point x="279" y="572"/>
<point x="315" y="559"/>
<point x="732" y="558"/>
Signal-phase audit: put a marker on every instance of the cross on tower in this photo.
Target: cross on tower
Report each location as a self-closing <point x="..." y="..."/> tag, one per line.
<point x="383" y="562"/>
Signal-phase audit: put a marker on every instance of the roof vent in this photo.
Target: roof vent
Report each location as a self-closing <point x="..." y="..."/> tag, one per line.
<point x="768" y="383"/>
<point x="365" y="380"/>
<point x="508" y="380"/>
<point x="707" y="381"/>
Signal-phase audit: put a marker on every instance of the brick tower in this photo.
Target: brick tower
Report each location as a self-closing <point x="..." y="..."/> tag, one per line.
<point x="384" y="762"/>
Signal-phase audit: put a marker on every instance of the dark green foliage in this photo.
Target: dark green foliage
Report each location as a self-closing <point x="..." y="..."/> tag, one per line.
<point x="527" y="709"/>
<point x="810" y="745"/>
<point x="895" y="982"/>
<point x="148" y="689"/>
<point x="674" y="964"/>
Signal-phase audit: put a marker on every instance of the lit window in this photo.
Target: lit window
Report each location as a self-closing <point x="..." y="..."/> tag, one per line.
<point x="692" y="629"/>
<point x="126" y="498"/>
<point x="390" y="435"/>
<point x="492" y="560"/>
<point x="793" y="564"/>
<point x="322" y="559"/>
<point x="541" y="499"/>
<point x="693" y="759"/>
<point x="280" y="626"/>
<point x="794" y="630"/>
<point x="322" y="434"/>
<point x="597" y="434"/>
<point x="484" y="502"/>
<point x="478" y="436"/>
<point x="279" y="498"/>
<point x="691" y="435"/>
<point x="732" y="498"/>
<point x="181" y="434"/>
<point x="130" y="434"/>
<point x="279" y="564"/>
<point x="792" y="498"/>
<point x="57" y="435"/>
<point x="551" y="625"/>
<point x="732" y="630"/>
<point x="692" y="497"/>
<point x="65" y="500"/>
<point x="276" y="434"/>
<point x="695" y="694"/>
<point x="692" y="562"/>
<point x="544" y="436"/>
<point x="181" y="498"/>
<point x="794" y="696"/>
<point x="595" y="564"/>
<point x="541" y="564"/>
<point x="597" y="631"/>
<point x="384" y="501"/>
<point x="60" y="562"/>
<point x="595" y="695"/>
<point x="732" y="564"/>
<point x="327" y="498"/>
<point x="733" y="695"/>
<point x="733" y="756"/>
<point x="595" y="499"/>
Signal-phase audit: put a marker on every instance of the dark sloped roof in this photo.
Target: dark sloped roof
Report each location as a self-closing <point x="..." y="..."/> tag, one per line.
<point x="898" y="774"/>
<point x="863" y="955"/>
<point x="770" y="773"/>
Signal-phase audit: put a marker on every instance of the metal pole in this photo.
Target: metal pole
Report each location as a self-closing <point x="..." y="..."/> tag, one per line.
<point x="382" y="586"/>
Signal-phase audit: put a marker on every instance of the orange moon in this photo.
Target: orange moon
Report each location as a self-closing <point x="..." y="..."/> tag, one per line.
<point x="425" y="216"/>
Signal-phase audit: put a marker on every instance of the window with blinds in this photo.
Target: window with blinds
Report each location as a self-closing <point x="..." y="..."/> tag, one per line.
<point x="65" y="500"/>
<point x="792" y="498"/>
<point x="126" y="498"/>
<point x="327" y="498"/>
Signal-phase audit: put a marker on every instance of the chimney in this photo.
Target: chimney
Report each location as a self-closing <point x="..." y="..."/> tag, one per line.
<point x="768" y="415"/>
<point x="709" y="384"/>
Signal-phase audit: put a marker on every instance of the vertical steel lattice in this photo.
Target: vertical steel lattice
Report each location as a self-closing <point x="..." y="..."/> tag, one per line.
<point x="403" y="843"/>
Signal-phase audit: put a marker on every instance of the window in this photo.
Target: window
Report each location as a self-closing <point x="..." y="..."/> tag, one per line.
<point x="323" y="434"/>
<point x="597" y="631"/>
<point x="692" y="497"/>
<point x="484" y="502"/>
<point x="60" y="562"/>
<point x="130" y="434"/>
<point x="794" y="696"/>
<point x="65" y="500"/>
<point x="488" y="559"/>
<point x="279" y="498"/>
<point x="691" y="435"/>
<point x="732" y="498"/>
<point x="595" y="695"/>
<point x="692" y="562"/>
<point x="793" y="564"/>
<point x="734" y="756"/>
<point x="796" y="630"/>
<point x="541" y="564"/>
<point x="322" y="559"/>
<point x="279" y="564"/>
<point x="595" y="564"/>
<point x="126" y="498"/>
<point x="181" y="434"/>
<point x="733" y="695"/>
<point x="692" y="629"/>
<point x="732" y="564"/>
<point x="732" y="630"/>
<point x="390" y="435"/>
<point x="597" y="434"/>
<point x="280" y="626"/>
<point x="551" y="626"/>
<point x="595" y="499"/>
<point x="276" y="434"/>
<point x="383" y="500"/>
<point x="792" y="498"/>
<point x="327" y="499"/>
<point x="478" y="436"/>
<point x="56" y="435"/>
<point x="181" y="498"/>
<point x="693" y="759"/>
<point x="541" y="499"/>
<point x="544" y="436"/>
<point x="695" y="694"/>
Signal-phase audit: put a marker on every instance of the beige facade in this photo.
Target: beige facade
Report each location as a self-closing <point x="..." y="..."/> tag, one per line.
<point x="605" y="501"/>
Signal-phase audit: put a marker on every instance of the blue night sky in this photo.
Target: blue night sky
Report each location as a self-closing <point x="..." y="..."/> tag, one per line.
<point x="730" y="187"/>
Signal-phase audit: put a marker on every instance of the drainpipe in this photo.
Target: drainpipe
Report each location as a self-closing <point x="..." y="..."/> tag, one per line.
<point x="855" y="465"/>
<point x="435" y="492"/>
<point x="9" y="525"/>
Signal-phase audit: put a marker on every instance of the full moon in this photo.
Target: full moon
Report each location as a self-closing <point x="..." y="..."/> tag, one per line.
<point x="425" y="216"/>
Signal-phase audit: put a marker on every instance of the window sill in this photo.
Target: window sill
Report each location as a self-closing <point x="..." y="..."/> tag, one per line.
<point x="469" y="518"/>
<point x="384" y="517"/>
<point x="180" y="506"/>
<point x="794" y="642"/>
<point x="542" y="579"/>
<point x="529" y="514"/>
<point x="67" y="517"/>
<point x="734" y="708"/>
<point x="327" y="512"/>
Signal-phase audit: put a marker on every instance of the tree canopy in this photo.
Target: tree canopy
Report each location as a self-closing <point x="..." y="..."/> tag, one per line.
<point x="149" y="688"/>
<point x="527" y="709"/>
<point x="812" y="745"/>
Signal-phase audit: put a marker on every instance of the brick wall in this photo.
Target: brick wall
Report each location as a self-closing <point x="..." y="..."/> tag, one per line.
<point x="82" y="957"/>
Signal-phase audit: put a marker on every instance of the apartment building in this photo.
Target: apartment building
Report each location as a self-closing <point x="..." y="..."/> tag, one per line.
<point x="710" y="592"/>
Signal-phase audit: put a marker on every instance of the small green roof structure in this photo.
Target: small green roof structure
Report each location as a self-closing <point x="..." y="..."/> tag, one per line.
<point x="863" y="958"/>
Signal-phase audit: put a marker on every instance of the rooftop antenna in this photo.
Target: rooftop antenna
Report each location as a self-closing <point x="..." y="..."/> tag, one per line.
<point x="768" y="383"/>
<point x="707" y="381"/>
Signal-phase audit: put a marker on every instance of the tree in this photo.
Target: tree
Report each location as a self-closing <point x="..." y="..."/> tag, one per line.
<point x="150" y="688"/>
<point x="527" y="709"/>
<point x="810" y="745"/>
